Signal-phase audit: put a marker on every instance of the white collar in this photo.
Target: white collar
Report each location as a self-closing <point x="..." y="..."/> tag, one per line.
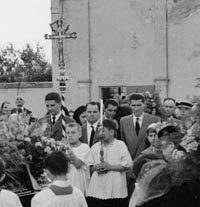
<point x="61" y="183"/>
<point x="94" y="125"/>
<point x="57" y="116"/>
<point x="140" y="118"/>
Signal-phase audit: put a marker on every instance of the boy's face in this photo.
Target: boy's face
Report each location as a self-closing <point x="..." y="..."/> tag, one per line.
<point x="152" y="137"/>
<point x="72" y="134"/>
<point x="107" y="133"/>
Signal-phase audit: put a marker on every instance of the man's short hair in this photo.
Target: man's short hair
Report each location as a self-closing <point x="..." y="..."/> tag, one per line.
<point x="74" y="124"/>
<point x="169" y="99"/>
<point x="93" y="103"/>
<point x="53" y="96"/>
<point x="110" y="124"/>
<point x="111" y="101"/>
<point x="137" y="96"/>
<point x="56" y="163"/>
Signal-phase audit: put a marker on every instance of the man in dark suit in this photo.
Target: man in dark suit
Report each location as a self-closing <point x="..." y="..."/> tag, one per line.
<point x="20" y="109"/>
<point x="89" y="130"/>
<point x="54" y="117"/>
<point x="19" y="102"/>
<point x="133" y="127"/>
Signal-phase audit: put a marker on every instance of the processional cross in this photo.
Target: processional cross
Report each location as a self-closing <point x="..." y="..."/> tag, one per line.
<point x="59" y="32"/>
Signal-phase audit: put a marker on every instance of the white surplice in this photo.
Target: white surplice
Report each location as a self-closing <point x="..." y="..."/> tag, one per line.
<point x="47" y="198"/>
<point x="9" y="199"/>
<point x="81" y="177"/>
<point x="111" y="184"/>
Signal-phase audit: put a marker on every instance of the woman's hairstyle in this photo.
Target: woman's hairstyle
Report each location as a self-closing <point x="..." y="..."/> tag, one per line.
<point x="3" y="103"/>
<point x="56" y="163"/>
<point x="78" y="112"/>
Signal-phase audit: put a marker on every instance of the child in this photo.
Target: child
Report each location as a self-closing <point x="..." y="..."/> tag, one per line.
<point x="7" y="198"/>
<point x="108" y="182"/>
<point x="152" y="139"/>
<point x="60" y="193"/>
<point x="80" y="157"/>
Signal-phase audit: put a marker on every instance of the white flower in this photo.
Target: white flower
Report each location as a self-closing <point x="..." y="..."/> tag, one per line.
<point x="44" y="139"/>
<point x="189" y="143"/>
<point x="47" y="149"/>
<point x="38" y="144"/>
<point x="52" y="140"/>
<point x="178" y="155"/>
<point x="27" y="139"/>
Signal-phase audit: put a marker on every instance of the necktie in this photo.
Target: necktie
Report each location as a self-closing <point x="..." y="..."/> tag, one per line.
<point x="92" y="136"/>
<point x="137" y="126"/>
<point x="53" y="120"/>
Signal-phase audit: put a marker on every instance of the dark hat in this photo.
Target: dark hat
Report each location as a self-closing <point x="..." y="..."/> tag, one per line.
<point x="184" y="104"/>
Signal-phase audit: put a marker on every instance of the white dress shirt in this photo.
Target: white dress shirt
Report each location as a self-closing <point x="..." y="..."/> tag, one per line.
<point x="89" y="129"/>
<point x="140" y="119"/>
<point x="57" y="116"/>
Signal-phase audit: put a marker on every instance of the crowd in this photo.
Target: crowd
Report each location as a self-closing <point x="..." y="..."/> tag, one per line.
<point x="143" y="154"/>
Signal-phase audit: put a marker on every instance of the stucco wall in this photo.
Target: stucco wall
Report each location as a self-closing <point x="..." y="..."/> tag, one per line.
<point x="130" y="43"/>
<point x="184" y="48"/>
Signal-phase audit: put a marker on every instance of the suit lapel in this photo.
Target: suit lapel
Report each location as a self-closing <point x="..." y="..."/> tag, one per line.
<point x="142" y="133"/>
<point x="84" y="134"/>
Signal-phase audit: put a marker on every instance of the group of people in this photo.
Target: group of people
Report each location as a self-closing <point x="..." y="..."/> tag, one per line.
<point x="104" y="165"/>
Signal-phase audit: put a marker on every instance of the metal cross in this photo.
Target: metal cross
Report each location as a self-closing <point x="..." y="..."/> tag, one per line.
<point x="59" y="30"/>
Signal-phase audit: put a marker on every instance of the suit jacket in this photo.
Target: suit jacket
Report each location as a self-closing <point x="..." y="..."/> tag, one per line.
<point x="16" y="110"/>
<point x="84" y="137"/>
<point x="135" y="143"/>
<point x="56" y="129"/>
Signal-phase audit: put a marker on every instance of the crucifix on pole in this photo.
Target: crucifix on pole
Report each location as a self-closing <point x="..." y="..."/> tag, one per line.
<point x="59" y="33"/>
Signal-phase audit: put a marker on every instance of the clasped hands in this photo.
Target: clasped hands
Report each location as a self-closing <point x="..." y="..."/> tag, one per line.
<point x="103" y="167"/>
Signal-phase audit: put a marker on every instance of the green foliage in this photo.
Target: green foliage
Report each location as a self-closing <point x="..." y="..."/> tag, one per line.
<point x="26" y="65"/>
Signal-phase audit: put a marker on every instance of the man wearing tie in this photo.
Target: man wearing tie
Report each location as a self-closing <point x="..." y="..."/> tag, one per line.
<point x="133" y="131"/>
<point x="54" y="118"/>
<point x="133" y="127"/>
<point x="89" y="129"/>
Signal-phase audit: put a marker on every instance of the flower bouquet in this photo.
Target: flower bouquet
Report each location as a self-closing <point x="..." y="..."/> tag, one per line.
<point x="23" y="147"/>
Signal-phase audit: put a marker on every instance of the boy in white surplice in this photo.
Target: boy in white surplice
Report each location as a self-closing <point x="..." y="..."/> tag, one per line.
<point x="108" y="182"/>
<point x="60" y="192"/>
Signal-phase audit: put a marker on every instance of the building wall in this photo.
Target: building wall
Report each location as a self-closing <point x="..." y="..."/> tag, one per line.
<point x="33" y="96"/>
<point x="129" y="43"/>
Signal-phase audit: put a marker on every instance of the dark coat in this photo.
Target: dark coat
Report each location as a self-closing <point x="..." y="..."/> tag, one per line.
<point x="56" y="129"/>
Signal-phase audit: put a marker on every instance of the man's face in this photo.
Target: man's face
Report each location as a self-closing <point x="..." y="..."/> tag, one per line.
<point x="110" y="111"/>
<point x="169" y="107"/>
<point x="92" y="113"/>
<point x="53" y="107"/>
<point x="184" y="112"/>
<point x="19" y="101"/>
<point x="137" y="107"/>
